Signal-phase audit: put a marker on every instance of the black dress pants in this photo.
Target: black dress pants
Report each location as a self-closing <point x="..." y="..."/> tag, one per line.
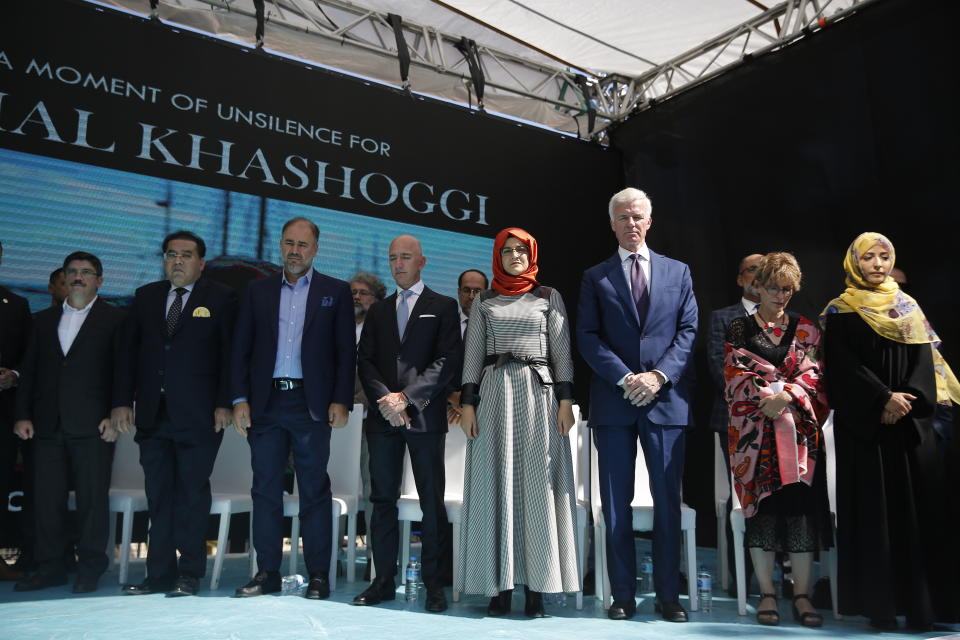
<point x="87" y="461"/>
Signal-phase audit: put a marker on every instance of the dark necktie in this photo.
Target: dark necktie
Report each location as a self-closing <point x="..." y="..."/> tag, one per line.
<point x="638" y="287"/>
<point x="173" y="316"/>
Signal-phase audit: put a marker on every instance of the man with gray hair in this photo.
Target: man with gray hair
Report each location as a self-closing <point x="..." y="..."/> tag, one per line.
<point x="636" y="329"/>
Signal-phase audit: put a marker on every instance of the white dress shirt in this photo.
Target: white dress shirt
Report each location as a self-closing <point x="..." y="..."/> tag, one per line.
<point x="749" y="306"/>
<point x="359" y="330"/>
<point x="463" y="323"/>
<point x="172" y="295"/>
<point x="70" y="322"/>
<point x="626" y="262"/>
<point x="415" y="291"/>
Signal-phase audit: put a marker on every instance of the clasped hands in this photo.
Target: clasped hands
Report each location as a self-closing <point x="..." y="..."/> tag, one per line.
<point x="8" y="379"/>
<point x="898" y="405"/>
<point x="640" y="389"/>
<point x="773" y="406"/>
<point x="393" y="408"/>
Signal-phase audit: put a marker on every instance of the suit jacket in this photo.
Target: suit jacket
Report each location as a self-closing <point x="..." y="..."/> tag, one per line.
<point x="613" y="342"/>
<point x="423" y="364"/>
<point x="73" y="390"/>
<point x="716" y="351"/>
<point x="328" y="351"/>
<point x="191" y="367"/>
<point x="15" y="325"/>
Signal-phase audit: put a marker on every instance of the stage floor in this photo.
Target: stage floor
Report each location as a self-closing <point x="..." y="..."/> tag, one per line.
<point x="106" y="614"/>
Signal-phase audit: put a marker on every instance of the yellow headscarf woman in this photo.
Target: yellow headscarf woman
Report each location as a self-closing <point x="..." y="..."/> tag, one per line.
<point x="889" y="311"/>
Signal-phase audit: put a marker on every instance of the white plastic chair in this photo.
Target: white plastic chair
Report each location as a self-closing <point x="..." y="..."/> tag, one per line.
<point x="127" y="496"/>
<point x="408" y="506"/>
<point x="345" y="485"/>
<point x="230" y="484"/>
<point x="579" y="447"/>
<point x="642" y="505"/>
<point x="721" y="493"/>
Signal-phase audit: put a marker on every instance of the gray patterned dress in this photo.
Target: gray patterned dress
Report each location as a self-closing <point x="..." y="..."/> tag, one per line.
<point x="519" y="514"/>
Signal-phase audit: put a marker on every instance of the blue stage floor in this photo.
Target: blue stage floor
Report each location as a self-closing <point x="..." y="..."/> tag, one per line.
<point x="56" y="613"/>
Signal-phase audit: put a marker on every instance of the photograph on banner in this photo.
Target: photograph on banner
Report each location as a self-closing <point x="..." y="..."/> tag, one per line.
<point x="51" y="207"/>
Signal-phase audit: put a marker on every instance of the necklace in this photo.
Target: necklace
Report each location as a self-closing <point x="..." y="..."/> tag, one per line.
<point x="772" y="327"/>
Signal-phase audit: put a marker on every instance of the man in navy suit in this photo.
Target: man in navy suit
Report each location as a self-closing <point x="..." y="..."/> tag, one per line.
<point x="409" y="356"/>
<point x="637" y="323"/>
<point x="173" y="360"/>
<point x="293" y="375"/>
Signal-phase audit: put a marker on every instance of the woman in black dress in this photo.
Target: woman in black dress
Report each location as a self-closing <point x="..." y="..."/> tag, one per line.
<point x="884" y="376"/>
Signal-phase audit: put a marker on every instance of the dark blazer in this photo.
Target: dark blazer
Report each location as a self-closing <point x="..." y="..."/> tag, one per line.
<point x="192" y="366"/>
<point x="72" y="390"/>
<point x="716" y="352"/>
<point x="328" y="352"/>
<point x="424" y="364"/>
<point x="613" y="343"/>
<point x="15" y="325"/>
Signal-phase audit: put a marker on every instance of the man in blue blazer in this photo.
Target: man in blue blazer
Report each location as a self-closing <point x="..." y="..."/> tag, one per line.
<point x="637" y="322"/>
<point x="293" y="375"/>
<point x="173" y="360"/>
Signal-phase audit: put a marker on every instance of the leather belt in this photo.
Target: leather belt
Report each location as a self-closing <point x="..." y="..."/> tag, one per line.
<point x="287" y="384"/>
<point x="500" y="359"/>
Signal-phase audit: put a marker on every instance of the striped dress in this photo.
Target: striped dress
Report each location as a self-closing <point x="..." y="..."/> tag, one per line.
<point x="519" y="515"/>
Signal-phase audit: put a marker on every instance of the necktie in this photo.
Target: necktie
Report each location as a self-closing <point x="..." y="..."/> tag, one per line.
<point x="638" y="287"/>
<point x="403" y="312"/>
<point x="173" y="316"/>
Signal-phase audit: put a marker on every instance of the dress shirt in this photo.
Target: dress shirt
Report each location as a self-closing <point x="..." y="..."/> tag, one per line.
<point x="749" y="306"/>
<point x="626" y="262"/>
<point x="359" y="331"/>
<point x="293" y="310"/>
<point x="415" y="292"/>
<point x="70" y="322"/>
<point x="463" y="323"/>
<point x="172" y="295"/>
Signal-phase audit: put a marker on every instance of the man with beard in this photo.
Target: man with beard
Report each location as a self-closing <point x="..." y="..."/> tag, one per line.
<point x="293" y="374"/>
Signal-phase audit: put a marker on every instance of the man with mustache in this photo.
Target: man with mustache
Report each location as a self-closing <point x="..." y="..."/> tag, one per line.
<point x="173" y="361"/>
<point x="293" y="375"/>
<point x="64" y="404"/>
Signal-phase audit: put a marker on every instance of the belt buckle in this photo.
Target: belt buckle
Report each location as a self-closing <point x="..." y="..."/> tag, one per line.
<point x="285" y="384"/>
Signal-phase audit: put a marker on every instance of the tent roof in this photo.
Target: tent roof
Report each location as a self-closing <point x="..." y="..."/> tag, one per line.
<point x="532" y="52"/>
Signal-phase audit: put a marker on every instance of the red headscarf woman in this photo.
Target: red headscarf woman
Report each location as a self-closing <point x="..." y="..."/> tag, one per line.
<point x="508" y="284"/>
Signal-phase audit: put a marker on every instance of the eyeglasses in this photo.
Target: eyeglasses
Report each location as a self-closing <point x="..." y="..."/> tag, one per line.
<point x="470" y="291"/>
<point x="360" y="292"/>
<point x="173" y="255"/>
<point x="519" y="250"/>
<point x="86" y="273"/>
<point x="775" y="291"/>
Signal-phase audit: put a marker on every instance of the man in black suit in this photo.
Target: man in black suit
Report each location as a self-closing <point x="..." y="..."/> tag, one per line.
<point x="173" y="361"/>
<point x="15" y="323"/>
<point x="57" y="287"/>
<point x="66" y="384"/>
<point x="409" y="355"/>
<point x="293" y="373"/>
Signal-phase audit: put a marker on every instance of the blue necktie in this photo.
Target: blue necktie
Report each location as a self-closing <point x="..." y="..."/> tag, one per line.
<point x="403" y="312"/>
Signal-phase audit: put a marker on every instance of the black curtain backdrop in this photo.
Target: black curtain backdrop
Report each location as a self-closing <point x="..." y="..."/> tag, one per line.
<point x="852" y="129"/>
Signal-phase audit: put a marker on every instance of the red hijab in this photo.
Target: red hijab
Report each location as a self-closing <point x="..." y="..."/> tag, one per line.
<point x="505" y="283"/>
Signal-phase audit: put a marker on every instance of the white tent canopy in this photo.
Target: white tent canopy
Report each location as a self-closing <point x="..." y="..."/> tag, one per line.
<point x="544" y="61"/>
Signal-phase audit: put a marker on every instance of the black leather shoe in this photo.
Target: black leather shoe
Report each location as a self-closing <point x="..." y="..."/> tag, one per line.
<point x="622" y="610"/>
<point x="379" y="590"/>
<point x="500" y="604"/>
<point x="85" y="584"/>
<point x="145" y="588"/>
<point x="184" y="586"/>
<point x="533" y="607"/>
<point x="41" y="580"/>
<point x="263" y="583"/>
<point x="319" y="587"/>
<point x="436" y="600"/>
<point x="671" y="611"/>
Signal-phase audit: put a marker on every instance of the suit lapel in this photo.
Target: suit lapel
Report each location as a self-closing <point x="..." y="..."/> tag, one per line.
<point x="619" y="281"/>
<point x="55" y="330"/>
<point x="653" y="286"/>
<point x="423" y="300"/>
<point x="195" y="300"/>
<point x="87" y="327"/>
<point x="313" y="299"/>
<point x="390" y="309"/>
<point x="272" y="304"/>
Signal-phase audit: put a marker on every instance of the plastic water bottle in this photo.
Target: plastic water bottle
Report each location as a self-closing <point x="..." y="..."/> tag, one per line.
<point x="704" y="589"/>
<point x="292" y="585"/>
<point x="413" y="579"/>
<point x="646" y="574"/>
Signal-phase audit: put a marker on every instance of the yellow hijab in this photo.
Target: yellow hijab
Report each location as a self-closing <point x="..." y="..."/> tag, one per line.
<point x="891" y="312"/>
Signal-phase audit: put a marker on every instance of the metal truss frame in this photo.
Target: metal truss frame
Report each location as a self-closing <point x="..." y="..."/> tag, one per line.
<point x="613" y="97"/>
<point x="618" y="96"/>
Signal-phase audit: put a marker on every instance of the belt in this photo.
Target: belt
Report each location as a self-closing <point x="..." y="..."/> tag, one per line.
<point x="500" y="359"/>
<point x="287" y="384"/>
